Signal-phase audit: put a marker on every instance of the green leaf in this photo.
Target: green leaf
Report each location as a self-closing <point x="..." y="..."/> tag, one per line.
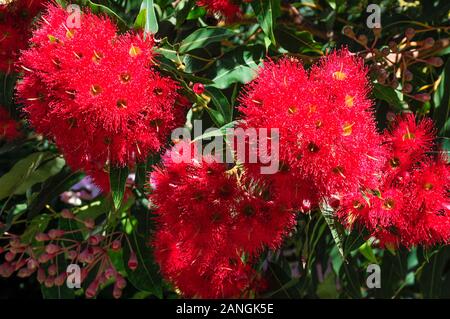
<point x="267" y="11"/>
<point x="118" y="179"/>
<point x="336" y="232"/>
<point x="204" y="36"/>
<point x="221" y="102"/>
<point x="38" y="224"/>
<point x="146" y="18"/>
<point x="297" y="41"/>
<point x="327" y="288"/>
<point x="392" y="97"/>
<point x="146" y="277"/>
<point x="36" y="168"/>
<point x="238" y="65"/>
<point x="441" y="101"/>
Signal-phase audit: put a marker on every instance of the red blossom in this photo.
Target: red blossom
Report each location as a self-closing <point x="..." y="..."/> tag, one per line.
<point x="97" y="94"/>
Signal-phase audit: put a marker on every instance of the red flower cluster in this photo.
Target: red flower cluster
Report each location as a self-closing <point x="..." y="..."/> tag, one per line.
<point x="411" y="206"/>
<point x="15" y="20"/>
<point x="8" y="127"/>
<point x="212" y="225"/>
<point x="226" y="8"/>
<point x="96" y="93"/>
<point x="329" y="145"/>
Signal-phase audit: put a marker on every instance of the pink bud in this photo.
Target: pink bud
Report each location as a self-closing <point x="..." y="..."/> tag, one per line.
<point x="424" y="97"/>
<point x="24" y="272"/>
<point x="42" y="237"/>
<point x="132" y="262"/>
<point x="117" y="292"/>
<point x="60" y="279"/>
<point x="86" y="256"/>
<point x="9" y="256"/>
<point x="65" y="213"/>
<point x="110" y="273"/>
<point x="19" y="264"/>
<point x="120" y="282"/>
<point x="89" y="223"/>
<point x="41" y="275"/>
<point x="52" y="249"/>
<point x="198" y="88"/>
<point x="52" y="270"/>
<point x="56" y="233"/>
<point x="44" y="257"/>
<point x="49" y="282"/>
<point x="435" y="61"/>
<point x="72" y="254"/>
<point x="6" y="270"/>
<point x="91" y="291"/>
<point x="116" y="245"/>
<point x="94" y="240"/>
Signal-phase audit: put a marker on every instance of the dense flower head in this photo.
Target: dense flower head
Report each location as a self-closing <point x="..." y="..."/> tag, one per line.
<point x="208" y="222"/>
<point x="15" y="29"/>
<point x="411" y="205"/>
<point x="328" y="136"/>
<point x="9" y="128"/>
<point x="226" y="8"/>
<point x="97" y="93"/>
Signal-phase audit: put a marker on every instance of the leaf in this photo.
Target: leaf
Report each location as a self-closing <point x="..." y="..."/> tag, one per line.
<point x="388" y="94"/>
<point x="118" y="179"/>
<point x="52" y="188"/>
<point x="204" y="36"/>
<point x="336" y="232"/>
<point x="36" y="168"/>
<point x="327" y="288"/>
<point x="146" y="18"/>
<point x="221" y="102"/>
<point x="238" y="65"/>
<point x="146" y="277"/>
<point x="216" y="132"/>
<point x="38" y="224"/>
<point x="297" y="41"/>
<point x="267" y="11"/>
<point x="434" y="274"/>
<point x="441" y="101"/>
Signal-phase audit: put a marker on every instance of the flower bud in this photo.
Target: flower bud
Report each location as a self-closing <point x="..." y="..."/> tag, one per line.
<point x="41" y="237"/>
<point x="52" y="249"/>
<point x="56" y="233"/>
<point x="110" y="273"/>
<point x="91" y="291"/>
<point x="132" y="261"/>
<point x="72" y="254"/>
<point x="348" y="31"/>
<point x="67" y="214"/>
<point x="32" y="264"/>
<point x="60" y="279"/>
<point x="121" y="283"/>
<point x="407" y="74"/>
<point x="409" y="33"/>
<point x="6" y="270"/>
<point x="49" y="282"/>
<point x="116" y="245"/>
<point x="423" y="97"/>
<point x="89" y="223"/>
<point x="198" y="88"/>
<point x="94" y="240"/>
<point x="52" y="270"/>
<point x="44" y="257"/>
<point x="86" y="256"/>
<point x="117" y="292"/>
<point x="407" y="88"/>
<point x="435" y="61"/>
<point x="24" y="273"/>
<point x="9" y="256"/>
<point x="428" y="43"/>
<point x="41" y="275"/>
